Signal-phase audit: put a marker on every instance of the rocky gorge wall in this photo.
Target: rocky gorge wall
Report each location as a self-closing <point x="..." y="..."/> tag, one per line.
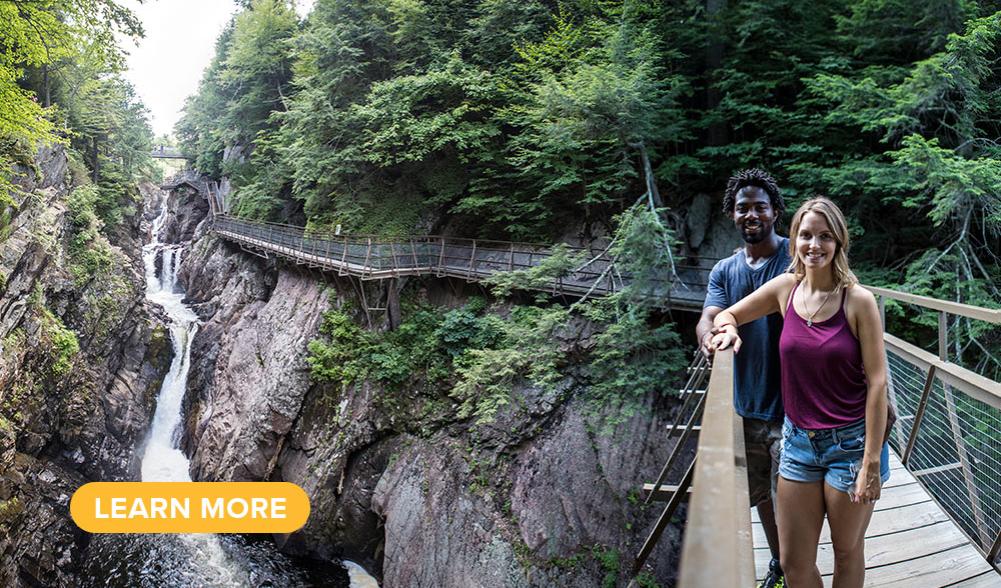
<point x="81" y="360"/>
<point x="416" y="494"/>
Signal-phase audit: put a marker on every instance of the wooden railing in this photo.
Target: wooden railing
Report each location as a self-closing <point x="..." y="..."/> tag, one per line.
<point x="717" y="548"/>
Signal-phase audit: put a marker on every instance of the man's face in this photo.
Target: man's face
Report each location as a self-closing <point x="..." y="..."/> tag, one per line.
<point x="753" y="214"/>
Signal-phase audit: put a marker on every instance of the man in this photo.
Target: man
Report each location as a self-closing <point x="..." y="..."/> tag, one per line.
<point x="754" y="202"/>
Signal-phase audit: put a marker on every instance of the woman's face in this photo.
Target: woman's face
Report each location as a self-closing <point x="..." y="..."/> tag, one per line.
<point x="815" y="243"/>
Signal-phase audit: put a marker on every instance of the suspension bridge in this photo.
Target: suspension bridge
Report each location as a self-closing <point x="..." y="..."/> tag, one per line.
<point x="938" y="522"/>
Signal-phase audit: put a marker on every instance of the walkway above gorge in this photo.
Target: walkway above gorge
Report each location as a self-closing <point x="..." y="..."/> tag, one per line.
<point x="375" y="258"/>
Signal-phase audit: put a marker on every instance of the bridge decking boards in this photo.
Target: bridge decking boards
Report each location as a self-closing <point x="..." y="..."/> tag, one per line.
<point x="909" y="543"/>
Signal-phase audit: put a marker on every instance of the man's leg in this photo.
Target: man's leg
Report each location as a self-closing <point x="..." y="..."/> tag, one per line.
<point x="766" y="513"/>
<point x="761" y="446"/>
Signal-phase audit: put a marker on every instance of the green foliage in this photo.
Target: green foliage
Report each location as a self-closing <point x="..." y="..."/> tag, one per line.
<point x="419" y="354"/>
<point x="646" y="580"/>
<point x="527" y="353"/>
<point x="560" y="262"/>
<point x="240" y="96"/>
<point x="62" y="343"/>
<point x="609" y="560"/>
<point x="50" y="49"/>
<point x="90" y="253"/>
<point x="473" y="355"/>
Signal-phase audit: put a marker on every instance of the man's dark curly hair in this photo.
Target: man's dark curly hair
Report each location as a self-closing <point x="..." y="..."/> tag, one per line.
<point x="753" y="177"/>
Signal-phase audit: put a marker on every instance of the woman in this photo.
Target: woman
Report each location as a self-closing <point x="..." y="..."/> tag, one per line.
<point x="834" y="460"/>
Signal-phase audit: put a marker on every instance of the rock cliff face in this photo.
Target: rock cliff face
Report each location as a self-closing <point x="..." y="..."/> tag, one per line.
<point x="80" y="364"/>
<point x="538" y="498"/>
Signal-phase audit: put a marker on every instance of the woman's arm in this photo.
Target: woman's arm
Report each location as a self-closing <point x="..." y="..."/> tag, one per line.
<point x="870" y="336"/>
<point x="764" y="301"/>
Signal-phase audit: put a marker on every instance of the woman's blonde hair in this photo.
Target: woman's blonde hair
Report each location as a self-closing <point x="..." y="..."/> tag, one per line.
<point x="843" y="275"/>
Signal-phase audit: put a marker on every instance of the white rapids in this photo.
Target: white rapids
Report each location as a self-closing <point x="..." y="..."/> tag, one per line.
<point x="163" y="460"/>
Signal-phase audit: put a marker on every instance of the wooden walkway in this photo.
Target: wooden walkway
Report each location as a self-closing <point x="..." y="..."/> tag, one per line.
<point x="371" y="258"/>
<point x="910" y="543"/>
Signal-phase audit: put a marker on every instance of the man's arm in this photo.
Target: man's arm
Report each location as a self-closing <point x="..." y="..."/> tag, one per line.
<point x="703" y="330"/>
<point x="716" y="301"/>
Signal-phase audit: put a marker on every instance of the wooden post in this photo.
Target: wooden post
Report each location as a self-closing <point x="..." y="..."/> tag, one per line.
<point x="472" y="258"/>
<point x="368" y="253"/>
<point x="992" y="555"/>
<point x="344" y="257"/>
<point x="396" y="263"/>
<point x="891" y="395"/>
<point x="441" y="258"/>
<point x="964" y="460"/>
<point x="943" y="336"/>
<point x="918" y="415"/>
<point x="679" y="446"/>
<point x="665" y="518"/>
<point x="393" y="303"/>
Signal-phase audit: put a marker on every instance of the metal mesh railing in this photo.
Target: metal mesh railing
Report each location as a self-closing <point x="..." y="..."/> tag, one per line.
<point x="956" y="453"/>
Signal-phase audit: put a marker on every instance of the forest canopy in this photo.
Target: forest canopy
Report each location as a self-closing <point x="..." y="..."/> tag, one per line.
<point x="525" y="120"/>
<point x="61" y="83"/>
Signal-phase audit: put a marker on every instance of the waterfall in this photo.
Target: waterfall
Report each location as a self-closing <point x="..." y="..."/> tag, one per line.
<point x="148" y="561"/>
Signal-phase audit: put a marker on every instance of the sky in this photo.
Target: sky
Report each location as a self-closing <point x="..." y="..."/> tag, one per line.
<point x="180" y="39"/>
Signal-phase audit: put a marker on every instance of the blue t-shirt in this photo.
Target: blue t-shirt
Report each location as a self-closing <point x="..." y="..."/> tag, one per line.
<point x="756" y="377"/>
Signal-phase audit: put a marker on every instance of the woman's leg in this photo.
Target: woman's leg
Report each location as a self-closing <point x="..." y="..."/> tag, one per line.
<point x="800" y="518"/>
<point x="848" y="521"/>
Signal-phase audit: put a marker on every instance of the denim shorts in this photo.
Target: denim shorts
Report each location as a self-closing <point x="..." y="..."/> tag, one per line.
<point x="831" y="455"/>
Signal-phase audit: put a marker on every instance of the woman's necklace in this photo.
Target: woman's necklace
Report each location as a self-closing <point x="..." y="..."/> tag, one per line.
<point x="809" y="320"/>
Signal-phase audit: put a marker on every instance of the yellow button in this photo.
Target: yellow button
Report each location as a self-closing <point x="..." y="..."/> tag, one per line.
<point x="189" y="507"/>
<point x="810" y="434"/>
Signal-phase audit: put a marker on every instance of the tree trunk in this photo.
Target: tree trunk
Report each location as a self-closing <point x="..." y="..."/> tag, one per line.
<point x="95" y="161"/>
<point x="45" y="85"/>
<point x="717" y="133"/>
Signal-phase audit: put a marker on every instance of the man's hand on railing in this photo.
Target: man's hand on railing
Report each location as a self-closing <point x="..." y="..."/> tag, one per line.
<point x="706" y="346"/>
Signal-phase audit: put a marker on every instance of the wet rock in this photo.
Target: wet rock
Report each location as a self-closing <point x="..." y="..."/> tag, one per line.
<point x="71" y="410"/>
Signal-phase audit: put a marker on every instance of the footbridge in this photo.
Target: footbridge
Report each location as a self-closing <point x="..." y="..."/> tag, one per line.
<point x="938" y="522"/>
<point x="377" y="258"/>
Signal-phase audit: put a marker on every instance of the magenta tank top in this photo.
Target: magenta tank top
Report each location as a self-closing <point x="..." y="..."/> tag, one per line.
<point x="823" y="381"/>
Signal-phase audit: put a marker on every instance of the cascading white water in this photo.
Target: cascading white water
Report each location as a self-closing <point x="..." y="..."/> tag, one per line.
<point x="163" y="460"/>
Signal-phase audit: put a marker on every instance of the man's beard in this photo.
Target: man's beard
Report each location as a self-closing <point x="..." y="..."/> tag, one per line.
<point x="752" y="239"/>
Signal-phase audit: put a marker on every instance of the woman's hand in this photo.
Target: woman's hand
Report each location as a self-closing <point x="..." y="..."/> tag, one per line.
<point x="867" y="484"/>
<point x="725" y="338"/>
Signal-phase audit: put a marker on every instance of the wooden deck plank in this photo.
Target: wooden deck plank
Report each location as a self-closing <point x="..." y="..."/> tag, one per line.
<point x="902" y="496"/>
<point x="932" y="571"/>
<point x="988" y="579"/>
<point x="886" y="549"/>
<point x="883" y="522"/>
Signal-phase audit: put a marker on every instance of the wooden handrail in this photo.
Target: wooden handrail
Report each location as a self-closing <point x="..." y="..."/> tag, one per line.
<point x="971" y="383"/>
<point x="990" y="315"/>
<point x="718" y="549"/>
